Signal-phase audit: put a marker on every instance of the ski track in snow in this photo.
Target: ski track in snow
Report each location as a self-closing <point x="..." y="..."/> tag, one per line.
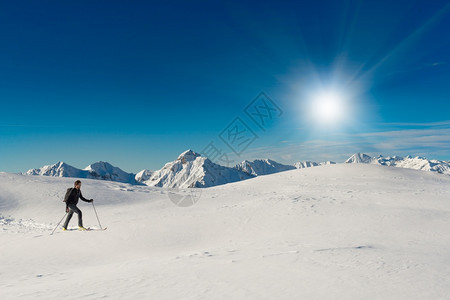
<point x="11" y="225"/>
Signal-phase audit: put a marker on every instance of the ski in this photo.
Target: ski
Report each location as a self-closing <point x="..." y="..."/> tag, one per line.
<point x="97" y="229"/>
<point x="88" y="229"/>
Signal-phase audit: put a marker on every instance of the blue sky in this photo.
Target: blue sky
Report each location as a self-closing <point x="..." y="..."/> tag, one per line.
<point x="135" y="84"/>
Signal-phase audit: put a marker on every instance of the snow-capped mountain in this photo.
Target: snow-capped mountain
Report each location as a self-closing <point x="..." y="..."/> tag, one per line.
<point x="408" y="162"/>
<point x="359" y="158"/>
<point x="305" y="164"/>
<point x="419" y="163"/>
<point x="326" y="163"/>
<point x="388" y="161"/>
<point x="143" y="175"/>
<point x="105" y="171"/>
<point x="99" y="170"/>
<point x="190" y="169"/>
<point x="60" y="169"/>
<point x="260" y="167"/>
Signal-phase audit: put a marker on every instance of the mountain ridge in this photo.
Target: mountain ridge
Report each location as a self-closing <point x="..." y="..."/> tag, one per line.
<point x="191" y="169"/>
<point x="408" y="162"/>
<point x="260" y="167"/>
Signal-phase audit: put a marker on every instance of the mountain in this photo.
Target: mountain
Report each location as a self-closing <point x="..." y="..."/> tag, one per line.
<point x="105" y="171"/>
<point x="143" y="175"/>
<point x="421" y="163"/>
<point x="262" y="167"/>
<point x="305" y="164"/>
<point x="99" y="170"/>
<point x="408" y="162"/>
<point x="60" y="169"/>
<point x="388" y="161"/>
<point x="326" y="163"/>
<point x="309" y="164"/>
<point x="190" y="169"/>
<point x="359" y="158"/>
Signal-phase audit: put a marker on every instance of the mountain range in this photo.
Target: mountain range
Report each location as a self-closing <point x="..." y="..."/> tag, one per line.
<point x="191" y="170"/>
<point x="262" y="167"/>
<point x="408" y="162"/>
<point x="99" y="170"/>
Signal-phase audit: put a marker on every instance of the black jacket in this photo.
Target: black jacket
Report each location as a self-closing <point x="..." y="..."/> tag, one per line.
<point x="72" y="196"/>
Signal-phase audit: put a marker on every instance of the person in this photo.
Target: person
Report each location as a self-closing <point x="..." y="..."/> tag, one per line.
<point x="71" y="199"/>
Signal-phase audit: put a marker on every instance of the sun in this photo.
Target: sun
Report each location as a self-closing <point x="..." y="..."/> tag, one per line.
<point x="327" y="107"/>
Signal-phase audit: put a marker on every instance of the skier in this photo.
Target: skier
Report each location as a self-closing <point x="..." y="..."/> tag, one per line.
<point x="71" y="199"/>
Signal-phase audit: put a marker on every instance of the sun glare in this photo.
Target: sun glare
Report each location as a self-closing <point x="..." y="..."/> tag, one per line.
<point x="327" y="107"/>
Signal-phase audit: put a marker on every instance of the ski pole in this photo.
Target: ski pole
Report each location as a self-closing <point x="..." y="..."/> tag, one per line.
<point x="58" y="224"/>
<point x="97" y="215"/>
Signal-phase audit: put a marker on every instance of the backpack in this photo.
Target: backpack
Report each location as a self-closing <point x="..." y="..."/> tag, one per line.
<point x="66" y="197"/>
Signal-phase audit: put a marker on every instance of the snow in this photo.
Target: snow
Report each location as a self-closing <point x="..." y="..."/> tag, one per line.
<point x="260" y="167"/>
<point x="106" y="171"/>
<point x="305" y="164"/>
<point x="60" y="169"/>
<point x="343" y="231"/>
<point x="326" y="163"/>
<point x="359" y="158"/>
<point x="309" y="164"/>
<point x="188" y="155"/>
<point x="408" y="162"/>
<point x="192" y="170"/>
<point x="99" y="170"/>
<point x="143" y="175"/>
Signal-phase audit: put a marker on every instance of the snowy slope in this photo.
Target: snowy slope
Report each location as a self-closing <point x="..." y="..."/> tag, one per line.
<point x="408" y="162"/>
<point x="260" y="167"/>
<point x="345" y="231"/>
<point x="190" y="169"/>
